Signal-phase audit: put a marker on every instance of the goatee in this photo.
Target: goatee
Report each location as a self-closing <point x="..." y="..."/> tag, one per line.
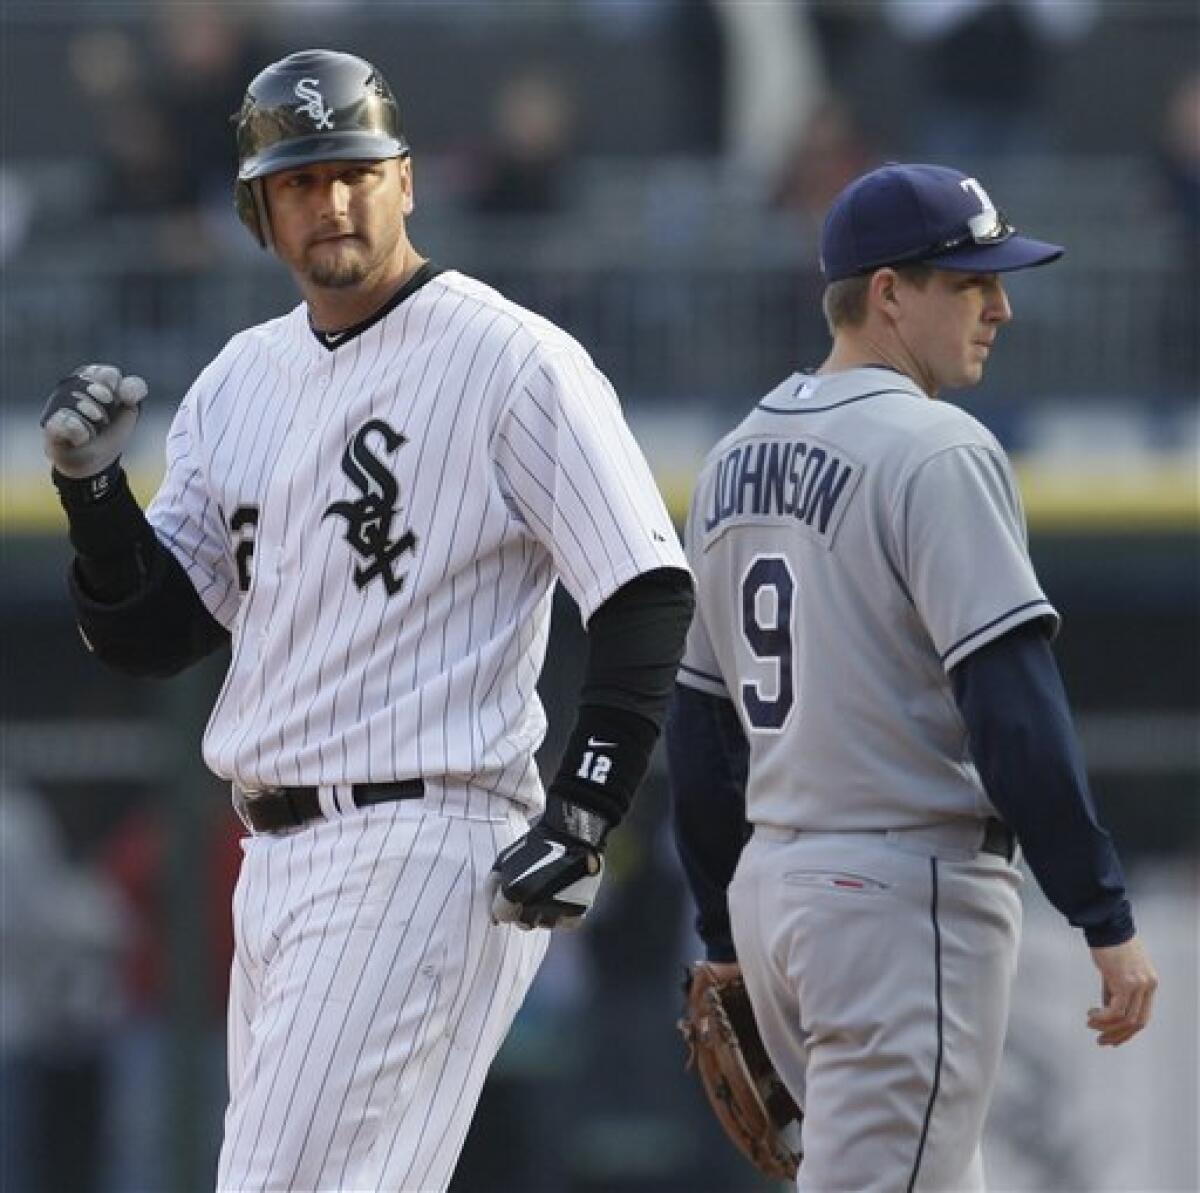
<point x="337" y="275"/>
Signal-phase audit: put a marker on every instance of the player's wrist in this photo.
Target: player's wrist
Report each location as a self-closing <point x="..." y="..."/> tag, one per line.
<point x="80" y="492"/>
<point x="719" y="950"/>
<point x="567" y="820"/>
<point x="104" y="521"/>
<point x="605" y="760"/>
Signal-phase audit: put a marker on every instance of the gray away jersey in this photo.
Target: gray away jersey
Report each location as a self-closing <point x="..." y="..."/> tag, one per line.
<point x="381" y="526"/>
<point x="852" y="542"/>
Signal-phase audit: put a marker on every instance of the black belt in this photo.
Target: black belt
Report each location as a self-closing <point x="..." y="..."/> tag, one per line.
<point x="277" y="808"/>
<point x="998" y="838"/>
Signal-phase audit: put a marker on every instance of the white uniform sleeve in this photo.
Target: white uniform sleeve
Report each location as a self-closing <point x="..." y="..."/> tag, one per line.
<point x="189" y="522"/>
<point x="961" y="534"/>
<point x="570" y="469"/>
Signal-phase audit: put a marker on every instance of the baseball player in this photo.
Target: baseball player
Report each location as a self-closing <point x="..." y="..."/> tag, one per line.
<point x="870" y="663"/>
<point x="371" y="499"/>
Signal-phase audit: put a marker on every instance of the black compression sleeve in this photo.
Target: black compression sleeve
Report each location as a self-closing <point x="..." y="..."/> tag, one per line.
<point x="635" y="642"/>
<point x="137" y="609"/>
<point x="1023" y="743"/>
<point x="707" y="757"/>
<point x="114" y="544"/>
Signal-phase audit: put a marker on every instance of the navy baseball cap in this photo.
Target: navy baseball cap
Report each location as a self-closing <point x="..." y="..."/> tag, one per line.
<point x="900" y="214"/>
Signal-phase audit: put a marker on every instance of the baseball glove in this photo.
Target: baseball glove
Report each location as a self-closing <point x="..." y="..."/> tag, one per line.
<point x="750" y="1101"/>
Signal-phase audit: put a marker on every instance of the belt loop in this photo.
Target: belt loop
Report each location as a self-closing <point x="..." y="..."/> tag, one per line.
<point x="331" y="800"/>
<point x="238" y="799"/>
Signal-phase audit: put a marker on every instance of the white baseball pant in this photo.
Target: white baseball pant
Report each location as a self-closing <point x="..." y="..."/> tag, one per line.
<point x="370" y="994"/>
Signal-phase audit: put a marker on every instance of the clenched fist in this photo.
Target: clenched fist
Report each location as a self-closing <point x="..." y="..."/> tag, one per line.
<point x="89" y="418"/>
<point x="549" y="878"/>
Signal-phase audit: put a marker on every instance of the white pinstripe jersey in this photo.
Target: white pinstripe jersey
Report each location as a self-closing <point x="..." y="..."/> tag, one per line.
<point x="380" y="524"/>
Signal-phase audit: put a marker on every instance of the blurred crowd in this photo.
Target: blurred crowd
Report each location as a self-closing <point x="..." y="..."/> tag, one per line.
<point x="649" y="173"/>
<point x="796" y="96"/>
<point x="89" y="972"/>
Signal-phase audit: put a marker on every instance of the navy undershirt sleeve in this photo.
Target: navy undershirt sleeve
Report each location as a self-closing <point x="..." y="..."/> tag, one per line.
<point x="1011" y="696"/>
<point x="707" y="754"/>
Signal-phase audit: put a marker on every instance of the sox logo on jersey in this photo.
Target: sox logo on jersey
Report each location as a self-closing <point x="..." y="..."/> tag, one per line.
<point x="369" y="519"/>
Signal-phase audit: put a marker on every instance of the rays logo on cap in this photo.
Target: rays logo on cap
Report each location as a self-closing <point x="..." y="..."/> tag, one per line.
<point x="314" y="103"/>
<point x="988" y="227"/>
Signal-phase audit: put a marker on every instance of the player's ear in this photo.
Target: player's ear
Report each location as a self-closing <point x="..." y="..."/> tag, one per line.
<point x="882" y="292"/>
<point x="404" y="165"/>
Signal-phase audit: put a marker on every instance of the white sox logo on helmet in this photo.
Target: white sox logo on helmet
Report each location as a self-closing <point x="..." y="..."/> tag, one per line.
<point x="309" y="90"/>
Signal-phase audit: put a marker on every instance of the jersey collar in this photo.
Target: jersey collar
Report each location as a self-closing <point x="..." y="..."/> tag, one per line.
<point x="332" y="340"/>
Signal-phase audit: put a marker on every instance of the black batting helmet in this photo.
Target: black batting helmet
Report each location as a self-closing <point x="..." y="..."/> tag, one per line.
<point x="312" y="106"/>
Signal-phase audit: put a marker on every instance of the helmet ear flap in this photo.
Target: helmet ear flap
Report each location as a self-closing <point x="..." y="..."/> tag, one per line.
<point x="247" y="210"/>
<point x="250" y="206"/>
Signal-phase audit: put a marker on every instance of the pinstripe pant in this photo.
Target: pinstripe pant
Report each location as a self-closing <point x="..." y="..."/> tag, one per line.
<point x="880" y="967"/>
<point x="370" y="994"/>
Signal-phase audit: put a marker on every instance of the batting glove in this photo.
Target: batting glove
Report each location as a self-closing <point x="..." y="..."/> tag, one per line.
<point x="549" y="878"/>
<point x="89" y="418"/>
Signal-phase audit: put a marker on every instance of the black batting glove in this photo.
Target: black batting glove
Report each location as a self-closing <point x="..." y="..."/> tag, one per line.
<point x="549" y="878"/>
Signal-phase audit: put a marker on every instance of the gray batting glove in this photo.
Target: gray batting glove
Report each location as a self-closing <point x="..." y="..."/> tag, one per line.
<point x="89" y="418"/>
